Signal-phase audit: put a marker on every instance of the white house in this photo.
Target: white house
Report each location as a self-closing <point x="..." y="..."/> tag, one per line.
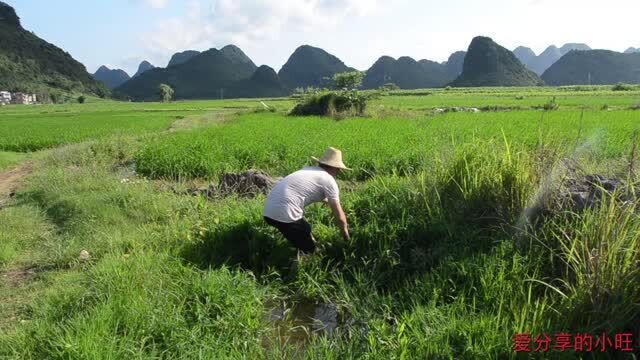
<point x="5" y="97"/>
<point x="24" y="99"/>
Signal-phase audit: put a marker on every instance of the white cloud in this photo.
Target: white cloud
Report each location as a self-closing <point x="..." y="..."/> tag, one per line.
<point x="214" y="23"/>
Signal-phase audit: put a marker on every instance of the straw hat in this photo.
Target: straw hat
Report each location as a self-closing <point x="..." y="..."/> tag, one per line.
<point x="332" y="157"/>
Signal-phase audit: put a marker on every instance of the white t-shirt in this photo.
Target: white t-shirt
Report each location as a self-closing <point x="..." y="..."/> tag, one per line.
<point x="289" y="196"/>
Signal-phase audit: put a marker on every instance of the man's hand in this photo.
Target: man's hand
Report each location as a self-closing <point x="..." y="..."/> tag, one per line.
<point x="341" y="218"/>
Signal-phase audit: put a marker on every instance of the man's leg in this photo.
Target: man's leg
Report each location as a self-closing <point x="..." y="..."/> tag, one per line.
<point x="299" y="233"/>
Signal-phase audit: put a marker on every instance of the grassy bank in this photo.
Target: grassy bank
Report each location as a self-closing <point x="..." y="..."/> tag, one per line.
<point x="442" y="263"/>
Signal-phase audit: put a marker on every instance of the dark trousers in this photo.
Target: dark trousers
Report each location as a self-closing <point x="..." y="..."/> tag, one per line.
<point x="298" y="233"/>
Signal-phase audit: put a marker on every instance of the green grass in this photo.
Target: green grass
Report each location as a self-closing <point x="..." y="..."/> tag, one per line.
<point x="439" y="265"/>
<point x="9" y="159"/>
<point x="377" y="146"/>
<point x="31" y="132"/>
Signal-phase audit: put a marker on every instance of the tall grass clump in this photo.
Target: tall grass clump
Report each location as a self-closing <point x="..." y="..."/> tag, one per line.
<point x="346" y="100"/>
<point x="595" y="256"/>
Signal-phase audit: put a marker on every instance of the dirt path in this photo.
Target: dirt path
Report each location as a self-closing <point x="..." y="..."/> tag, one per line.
<point x="11" y="179"/>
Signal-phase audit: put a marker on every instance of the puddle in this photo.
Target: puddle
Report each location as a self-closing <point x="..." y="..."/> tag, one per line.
<point x="299" y="322"/>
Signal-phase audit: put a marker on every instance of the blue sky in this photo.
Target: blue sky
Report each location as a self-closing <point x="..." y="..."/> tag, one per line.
<point x="121" y="33"/>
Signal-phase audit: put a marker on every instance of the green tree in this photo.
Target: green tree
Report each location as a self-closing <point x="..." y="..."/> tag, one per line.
<point x="389" y="87"/>
<point x="350" y="80"/>
<point x="81" y="99"/>
<point x="166" y="92"/>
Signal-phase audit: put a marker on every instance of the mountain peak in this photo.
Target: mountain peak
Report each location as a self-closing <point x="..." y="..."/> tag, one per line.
<point x="406" y="73"/>
<point x="111" y="78"/>
<point x="593" y="67"/>
<point x="310" y="66"/>
<point x="8" y="15"/>
<point x="144" y="66"/>
<point x="182" y="57"/>
<point x="525" y="55"/>
<point x="524" y="50"/>
<point x="234" y="53"/>
<point x="265" y="74"/>
<point x="489" y="64"/>
<point x="573" y="46"/>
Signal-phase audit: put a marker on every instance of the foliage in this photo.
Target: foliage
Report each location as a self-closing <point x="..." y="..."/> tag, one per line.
<point x="166" y="92"/>
<point x="81" y="99"/>
<point x="337" y="104"/>
<point x="389" y="87"/>
<point x="622" y="87"/>
<point x="351" y="80"/>
<point x="551" y="105"/>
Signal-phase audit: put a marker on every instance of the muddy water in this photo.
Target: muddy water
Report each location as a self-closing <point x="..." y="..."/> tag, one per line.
<point x="298" y="323"/>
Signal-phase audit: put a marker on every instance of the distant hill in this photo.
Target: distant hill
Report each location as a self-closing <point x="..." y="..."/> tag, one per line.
<point x="111" y="78"/>
<point x="236" y="55"/>
<point x="566" y="48"/>
<point x="182" y="57"/>
<point x="309" y="66"/>
<point x="525" y="55"/>
<point x="28" y="63"/>
<point x="548" y="57"/>
<point x="144" y="66"/>
<point x="632" y="50"/>
<point x="489" y="64"/>
<point x="210" y="74"/>
<point x="454" y="65"/>
<point x="405" y="72"/>
<point x="594" y="67"/>
<point x="263" y="83"/>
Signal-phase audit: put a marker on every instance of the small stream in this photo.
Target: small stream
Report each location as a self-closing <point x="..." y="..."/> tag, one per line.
<point x="299" y="322"/>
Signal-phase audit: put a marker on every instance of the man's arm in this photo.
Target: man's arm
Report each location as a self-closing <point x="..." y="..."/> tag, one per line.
<point x="341" y="218"/>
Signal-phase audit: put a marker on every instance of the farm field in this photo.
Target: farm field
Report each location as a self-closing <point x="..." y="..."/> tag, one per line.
<point x="460" y="236"/>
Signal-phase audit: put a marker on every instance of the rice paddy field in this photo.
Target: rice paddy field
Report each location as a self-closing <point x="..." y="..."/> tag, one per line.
<point x="458" y="251"/>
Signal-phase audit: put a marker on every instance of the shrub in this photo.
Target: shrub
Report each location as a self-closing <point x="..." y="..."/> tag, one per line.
<point x="338" y="104"/>
<point x="389" y="87"/>
<point x="323" y="104"/>
<point x="81" y="99"/>
<point x="350" y="80"/>
<point x="166" y="92"/>
<point x="621" y="87"/>
<point x="551" y="105"/>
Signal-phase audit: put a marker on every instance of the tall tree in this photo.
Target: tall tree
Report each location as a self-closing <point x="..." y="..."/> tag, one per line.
<point x="166" y="92"/>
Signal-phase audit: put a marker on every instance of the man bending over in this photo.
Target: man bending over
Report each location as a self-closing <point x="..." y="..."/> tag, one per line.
<point x="285" y="204"/>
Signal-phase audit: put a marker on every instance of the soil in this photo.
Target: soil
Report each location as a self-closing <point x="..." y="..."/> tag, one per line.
<point x="16" y="277"/>
<point x="10" y="180"/>
<point x="247" y="184"/>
